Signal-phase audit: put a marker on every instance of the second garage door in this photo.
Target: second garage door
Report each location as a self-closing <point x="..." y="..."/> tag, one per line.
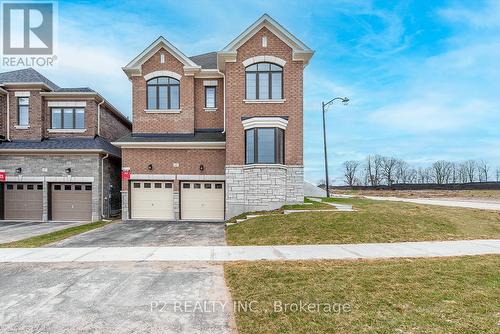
<point x="152" y="200"/>
<point x="71" y="202"/>
<point x="23" y="201"/>
<point x="202" y="200"/>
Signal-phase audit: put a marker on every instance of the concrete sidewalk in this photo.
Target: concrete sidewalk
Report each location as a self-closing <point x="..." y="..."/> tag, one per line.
<point x="252" y="253"/>
<point x="473" y="204"/>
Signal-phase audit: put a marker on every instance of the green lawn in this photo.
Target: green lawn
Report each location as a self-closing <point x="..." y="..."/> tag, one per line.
<point x="374" y="221"/>
<point x="45" y="239"/>
<point x="445" y="295"/>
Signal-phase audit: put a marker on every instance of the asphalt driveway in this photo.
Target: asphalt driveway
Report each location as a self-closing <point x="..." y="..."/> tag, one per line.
<point x="113" y="298"/>
<point x="149" y="234"/>
<point x="13" y="231"/>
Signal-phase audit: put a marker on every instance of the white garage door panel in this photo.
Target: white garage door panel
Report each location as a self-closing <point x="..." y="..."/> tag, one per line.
<point x="202" y="200"/>
<point x="153" y="202"/>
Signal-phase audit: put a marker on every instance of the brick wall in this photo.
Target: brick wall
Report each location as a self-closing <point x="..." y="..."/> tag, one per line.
<point x="90" y="120"/>
<point x="35" y="117"/>
<point x="292" y="92"/>
<point x="3" y="115"/>
<point x="112" y="127"/>
<point x="163" y="159"/>
<point x="182" y="122"/>
<point x="208" y="119"/>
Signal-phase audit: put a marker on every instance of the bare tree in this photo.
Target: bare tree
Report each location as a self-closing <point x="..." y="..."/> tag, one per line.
<point x="373" y="172"/>
<point x="455" y="173"/>
<point x="402" y="172"/>
<point x="470" y="170"/>
<point x="388" y="169"/>
<point x="412" y="175"/>
<point x="483" y="169"/>
<point x="441" y="171"/>
<point x="350" y="168"/>
<point x="498" y="174"/>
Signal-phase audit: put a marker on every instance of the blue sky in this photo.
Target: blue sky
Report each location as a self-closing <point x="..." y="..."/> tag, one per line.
<point x="423" y="76"/>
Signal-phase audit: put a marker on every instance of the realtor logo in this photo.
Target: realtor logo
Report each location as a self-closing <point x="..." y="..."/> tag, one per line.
<point x="28" y="28"/>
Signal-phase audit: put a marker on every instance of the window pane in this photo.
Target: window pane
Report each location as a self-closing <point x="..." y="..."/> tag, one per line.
<point x="152" y="97"/>
<point x="251" y="86"/>
<point x="265" y="144"/>
<point x="67" y="187"/>
<point x="88" y="188"/>
<point x="147" y="185"/>
<point x="24" y="101"/>
<point x="163" y="97"/>
<point x="56" y="118"/>
<point x="174" y="97"/>
<point x="276" y="86"/>
<point x="250" y="149"/>
<point x="68" y="118"/>
<point x="78" y="187"/>
<point x="153" y="81"/>
<point x="263" y="86"/>
<point x="186" y="185"/>
<point x="163" y="81"/>
<point x="79" y="118"/>
<point x="207" y="186"/>
<point x="137" y="185"/>
<point x="23" y="115"/>
<point x="281" y="146"/>
<point x="20" y="187"/>
<point x="275" y="68"/>
<point x="173" y="81"/>
<point x="157" y="185"/>
<point x="263" y="67"/>
<point x="252" y="67"/>
<point x="210" y="97"/>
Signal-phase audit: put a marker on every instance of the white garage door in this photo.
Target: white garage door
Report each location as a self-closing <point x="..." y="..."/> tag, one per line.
<point x="152" y="200"/>
<point x="202" y="200"/>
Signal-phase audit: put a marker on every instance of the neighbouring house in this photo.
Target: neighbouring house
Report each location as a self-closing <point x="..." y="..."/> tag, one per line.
<point x="56" y="152"/>
<point x="217" y="134"/>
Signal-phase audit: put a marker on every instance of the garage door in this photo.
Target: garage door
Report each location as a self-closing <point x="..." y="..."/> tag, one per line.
<point x="23" y="201"/>
<point x="202" y="200"/>
<point x="71" y="201"/>
<point x="152" y="200"/>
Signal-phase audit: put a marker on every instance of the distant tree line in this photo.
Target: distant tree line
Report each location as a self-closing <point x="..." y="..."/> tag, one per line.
<point x="377" y="170"/>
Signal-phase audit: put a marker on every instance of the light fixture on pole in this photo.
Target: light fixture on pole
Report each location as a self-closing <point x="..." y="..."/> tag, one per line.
<point x="325" y="106"/>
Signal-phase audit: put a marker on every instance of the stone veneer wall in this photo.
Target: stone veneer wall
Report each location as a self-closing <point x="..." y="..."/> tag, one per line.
<point x="36" y="168"/>
<point x="262" y="187"/>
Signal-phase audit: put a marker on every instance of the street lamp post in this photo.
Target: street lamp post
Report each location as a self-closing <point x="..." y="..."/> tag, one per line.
<point x="324" y="107"/>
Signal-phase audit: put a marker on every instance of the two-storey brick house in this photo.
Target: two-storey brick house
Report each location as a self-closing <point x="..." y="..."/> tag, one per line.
<point x="56" y="151"/>
<point x="217" y="134"/>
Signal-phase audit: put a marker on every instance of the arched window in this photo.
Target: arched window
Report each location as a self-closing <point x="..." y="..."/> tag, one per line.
<point x="163" y="93"/>
<point x="264" y="81"/>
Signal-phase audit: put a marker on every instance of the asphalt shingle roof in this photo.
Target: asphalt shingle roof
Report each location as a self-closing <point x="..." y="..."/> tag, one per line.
<point x="63" y="143"/>
<point x="76" y="90"/>
<point x="173" y="137"/>
<point x="26" y="75"/>
<point x="206" y="60"/>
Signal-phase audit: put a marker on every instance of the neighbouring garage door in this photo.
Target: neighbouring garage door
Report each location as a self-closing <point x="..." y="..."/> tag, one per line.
<point x="71" y="201"/>
<point x="23" y="201"/>
<point x="152" y="200"/>
<point x="202" y="200"/>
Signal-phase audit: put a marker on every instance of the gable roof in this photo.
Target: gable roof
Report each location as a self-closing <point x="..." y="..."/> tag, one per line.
<point x="206" y="60"/>
<point x="27" y="75"/>
<point x="134" y="66"/>
<point x="300" y="51"/>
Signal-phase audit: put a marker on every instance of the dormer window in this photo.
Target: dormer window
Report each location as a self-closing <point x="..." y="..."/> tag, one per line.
<point x="264" y="81"/>
<point x="163" y="93"/>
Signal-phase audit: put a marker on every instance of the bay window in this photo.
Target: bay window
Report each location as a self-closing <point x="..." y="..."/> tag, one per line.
<point x="265" y="146"/>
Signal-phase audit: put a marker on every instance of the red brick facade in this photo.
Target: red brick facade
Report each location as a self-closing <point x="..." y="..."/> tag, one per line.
<point x="208" y="119"/>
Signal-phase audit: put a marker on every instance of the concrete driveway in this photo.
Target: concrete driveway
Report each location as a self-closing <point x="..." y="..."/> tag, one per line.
<point x="13" y="231"/>
<point x="149" y="234"/>
<point x="125" y="297"/>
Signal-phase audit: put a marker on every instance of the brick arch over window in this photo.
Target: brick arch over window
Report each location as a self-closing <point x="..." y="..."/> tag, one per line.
<point x="264" y="59"/>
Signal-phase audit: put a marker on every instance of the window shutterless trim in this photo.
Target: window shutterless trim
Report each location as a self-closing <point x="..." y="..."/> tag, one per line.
<point x="19" y="105"/>
<point x="215" y="97"/>
<point x="73" y="116"/>
<point x="157" y="90"/>
<point x="257" y="82"/>
<point x="279" y="147"/>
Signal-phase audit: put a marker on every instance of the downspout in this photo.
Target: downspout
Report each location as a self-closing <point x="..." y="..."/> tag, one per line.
<point x="8" y="117"/>
<point x="99" y="117"/>
<point x="102" y="184"/>
<point x="223" y="98"/>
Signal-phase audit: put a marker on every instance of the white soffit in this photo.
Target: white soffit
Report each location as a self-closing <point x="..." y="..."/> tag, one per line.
<point x="265" y="122"/>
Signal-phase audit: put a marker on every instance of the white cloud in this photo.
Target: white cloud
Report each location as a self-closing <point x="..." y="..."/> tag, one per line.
<point x="487" y="16"/>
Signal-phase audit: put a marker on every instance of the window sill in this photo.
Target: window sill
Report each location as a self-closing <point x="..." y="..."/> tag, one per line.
<point x="21" y="127"/>
<point x="66" y="130"/>
<point x="257" y="165"/>
<point x="162" y="111"/>
<point x="210" y="109"/>
<point x="265" y="101"/>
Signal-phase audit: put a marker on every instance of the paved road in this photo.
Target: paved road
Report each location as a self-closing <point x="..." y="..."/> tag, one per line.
<point x="462" y="203"/>
<point x="149" y="234"/>
<point x="13" y="231"/>
<point x="251" y="253"/>
<point x="113" y="298"/>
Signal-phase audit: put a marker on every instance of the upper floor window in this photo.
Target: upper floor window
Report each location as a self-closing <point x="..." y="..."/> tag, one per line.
<point x="264" y="81"/>
<point x="209" y="96"/>
<point x="23" y="106"/>
<point x="163" y="93"/>
<point x="265" y="146"/>
<point x="68" y="118"/>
